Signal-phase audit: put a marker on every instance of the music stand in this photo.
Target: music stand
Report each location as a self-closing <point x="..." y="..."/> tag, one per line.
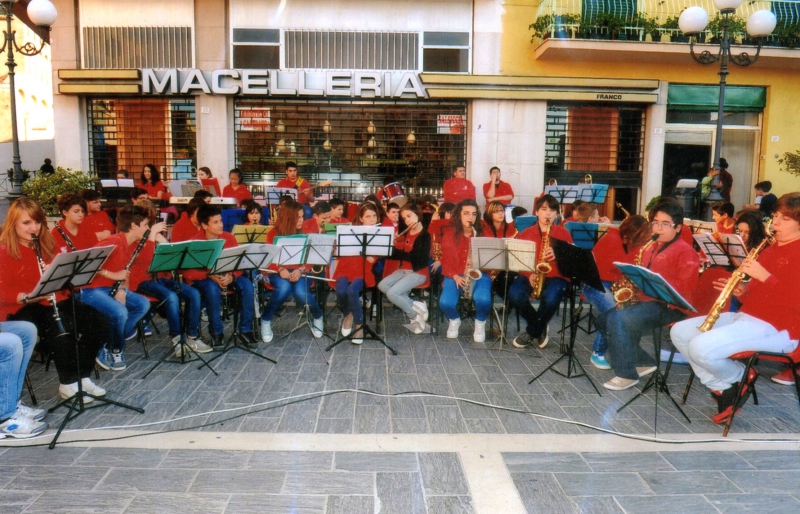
<point x="306" y="250"/>
<point x="176" y="257"/>
<point x="593" y="193"/>
<point x="364" y="241"/>
<point x="577" y="264"/>
<point x="722" y="249"/>
<point x="564" y="194"/>
<point x="242" y="258"/>
<point x="503" y="255"/>
<point x="248" y="234"/>
<point x="653" y="285"/>
<point x="66" y="272"/>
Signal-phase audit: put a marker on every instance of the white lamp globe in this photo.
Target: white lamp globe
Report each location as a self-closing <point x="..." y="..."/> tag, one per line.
<point x="693" y="20"/>
<point x="42" y="13"/>
<point x="761" y="23"/>
<point x="727" y="5"/>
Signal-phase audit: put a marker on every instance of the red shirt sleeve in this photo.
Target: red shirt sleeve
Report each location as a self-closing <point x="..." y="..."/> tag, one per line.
<point x="116" y="261"/>
<point x="679" y="265"/>
<point x="310" y="226"/>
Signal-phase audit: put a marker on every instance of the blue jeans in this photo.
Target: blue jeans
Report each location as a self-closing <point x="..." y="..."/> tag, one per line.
<point x="481" y="295"/>
<point x="520" y="295"/>
<point x="601" y="302"/>
<point x="17" y="340"/>
<point x="348" y="298"/>
<point x="212" y="299"/>
<point x="164" y="290"/>
<point x="283" y="289"/>
<point x="623" y="329"/>
<point x="122" y="318"/>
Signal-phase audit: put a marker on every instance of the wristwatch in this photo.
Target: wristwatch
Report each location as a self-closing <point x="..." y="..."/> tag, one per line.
<point x="24" y="298"/>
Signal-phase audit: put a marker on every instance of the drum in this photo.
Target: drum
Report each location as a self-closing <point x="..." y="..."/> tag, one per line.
<point x="393" y="192"/>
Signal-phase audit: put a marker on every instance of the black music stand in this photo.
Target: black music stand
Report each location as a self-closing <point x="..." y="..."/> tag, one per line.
<point x="593" y="193"/>
<point x="242" y="258"/>
<point x="653" y="285"/>
<point x="306" y="250"/>
<point x="577" y="264"/>
<point x="66" y="272"/>
<point x="176" y="257"/>
<point x="365" y="241"/>
<point x="249" y="234"/>
<point x="728" y="250"/>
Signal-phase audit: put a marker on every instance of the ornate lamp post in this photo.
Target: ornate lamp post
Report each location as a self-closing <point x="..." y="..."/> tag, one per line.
<point x="43" y="14"/>
<point x="694" y="20"/>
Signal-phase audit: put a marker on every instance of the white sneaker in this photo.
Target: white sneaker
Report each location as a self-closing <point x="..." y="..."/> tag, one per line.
<point x="197" y="345"/>
<point x="92" y="388"/>
<point x="266" y="331"/>
<point x="67" y="391"/>
<point x="452" y="328"/>
<point x="418" y="324"/>
<point x="318" y="327"/>
<point x="544" y="338"/>
<point x="29" y="412"/>
<point x="421" y="309"/>
<point x="21" y="427"/>
<point x="479" y="335"/>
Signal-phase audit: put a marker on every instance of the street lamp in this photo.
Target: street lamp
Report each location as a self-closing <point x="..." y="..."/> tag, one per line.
<point x="43" y="14"/>
<point x="693" y="21"/>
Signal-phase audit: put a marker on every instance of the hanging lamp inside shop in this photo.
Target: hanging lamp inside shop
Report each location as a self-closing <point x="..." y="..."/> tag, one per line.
<point x="411" y="138"/>
<point x="370" y="127"/>
<point x="326" y="127"/>
<point x="371" y="142"/>
<point x="280" y="127"/>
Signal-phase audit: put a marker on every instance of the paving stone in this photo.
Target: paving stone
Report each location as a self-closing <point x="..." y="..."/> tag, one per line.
<point x="14" y="502"/>
<point x="334" y="426"/>
<point x="484" y="426"/>
<point x="147" y="480"/>
<point x="540" y="492"/>
<point x="338" y="406"/>
<point x="689" y="482"/>
<point x="312" y="482"/>
<point x="765" y="482"/>
<point x="276" y="504"/>
<point x="371" y="419"/>
<point x="639" y="461"/>
<point x="122" y="457"/>
<point x="688" y="504"/>
<point x="66" y="456"/>
<point x="603" y="484"/>
<point x="376" y="461"/>
<point x="706" y="460"/>
<point x="350" y="505"/>
<point x="772" y="459"/>
<point x="548" y="462"/>
<point x="597" y="505"/>
<point x="450" y="505"/>
<point x="444" y="419"/>
<point x="746" y="503"/>
<point x="68" y="502"/>
<point x="238" y="481"/>
<point x="442" y="474"/>
<point x="410" y="426"/>
<point x="400" y="493"/>
<point x="205" y="459"/>
<point x="407" y="408"/>
<point x="149" y="503"/>
<point x="291" y="461"/>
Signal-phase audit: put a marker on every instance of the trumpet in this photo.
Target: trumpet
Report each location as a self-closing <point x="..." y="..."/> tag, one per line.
<point x="401" y="234"/>
<point x="624" y="290"/>
<point x="542" y="266"/>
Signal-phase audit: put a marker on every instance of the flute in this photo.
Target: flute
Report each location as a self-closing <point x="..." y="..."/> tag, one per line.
<point x="401" y="234"/>
<point x="307" y="276"/>
<point x="115" y="287"/>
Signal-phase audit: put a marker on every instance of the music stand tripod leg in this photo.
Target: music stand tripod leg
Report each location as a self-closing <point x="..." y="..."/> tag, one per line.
<point x="234" y="339"/>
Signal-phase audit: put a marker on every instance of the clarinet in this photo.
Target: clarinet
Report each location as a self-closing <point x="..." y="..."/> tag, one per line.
<point x="115" y="287"/>
<point x="56" y="316"/>
<point x="66" y="238"/>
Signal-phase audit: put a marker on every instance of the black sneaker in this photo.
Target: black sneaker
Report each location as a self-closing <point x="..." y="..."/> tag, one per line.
<point x="250" y="341"/>
<point x="523" y="340"/>
<point x="218" y="341"/>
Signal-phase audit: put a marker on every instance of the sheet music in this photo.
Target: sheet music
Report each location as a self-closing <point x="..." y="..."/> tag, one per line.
<point x="521" y="254"/>
<point x="293" y="249"/>
<point x="564" y="194"/>
<point x="246" y="234"/>
<point x="722" y="249"/>
<point x="85" y="263"/>
<point x="380" y="240"/>
<point x="245" y="257"/>
<point x="273" y="194"/>
<point x="320" y="249"/>
<point x="488" y="253"/>
<point x="653" y="285"/>
<point x="126" y="182"/>
<point x="108" y="183"/>
<point x="700" y="226"/>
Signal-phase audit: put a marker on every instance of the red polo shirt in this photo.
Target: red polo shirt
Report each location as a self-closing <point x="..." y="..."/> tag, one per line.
<point x="504" y="189"/>
<point x="457" y="189"/>
<point x="534" y="234"/>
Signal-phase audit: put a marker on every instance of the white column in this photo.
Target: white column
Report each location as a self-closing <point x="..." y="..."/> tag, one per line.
<point x="655" y="130"/>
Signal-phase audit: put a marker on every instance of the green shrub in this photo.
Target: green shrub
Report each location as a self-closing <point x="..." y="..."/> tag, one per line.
<point x="790" y="163"/>
<point x="46" y="189"/>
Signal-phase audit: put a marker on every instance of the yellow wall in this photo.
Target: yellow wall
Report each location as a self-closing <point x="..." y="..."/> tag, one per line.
<point x="781" y="116"/>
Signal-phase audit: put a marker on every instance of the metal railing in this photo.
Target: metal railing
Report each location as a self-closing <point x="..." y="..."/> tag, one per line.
<point x="661" y="16"/>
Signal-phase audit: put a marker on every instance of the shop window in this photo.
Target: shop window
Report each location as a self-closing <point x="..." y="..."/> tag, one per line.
<point x="416" y="142"/>
<point x="750" y="119"/>
<point x="446" y="52"/>
<point x="129" y="133"/>
<point x="256" y="48"/>
<point x="351" y="50"/>
<point x="595" y="139"/>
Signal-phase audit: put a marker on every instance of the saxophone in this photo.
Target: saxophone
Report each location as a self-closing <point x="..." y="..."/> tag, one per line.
<point x="737" y="277"/>
<point x="542" y="266"/>
<point x="470" y="275"/>
<point x="624" y="210"/>
<point x="623" y="289"/>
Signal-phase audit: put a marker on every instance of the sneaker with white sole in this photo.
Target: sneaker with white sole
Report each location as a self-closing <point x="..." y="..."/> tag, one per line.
<point x="147" y="331"/>
<point x="523" y="340"/>
<point x="197" y="345"/>
<point x="643" y="371"/>
<point x="452" y="328"/>
<point x="118" y="360"/>
<point x="620" y="384"/>
<point x="418" y="324"/>
<point x="318" y="327"/>
<point x="203" y="314"/>
<point x="544" y="338"/>
<point x="92" y="388"/>
<point x="29" y="412"/>
<point x="67" y="391"/>
<point x="103" y="358"/>
<point x="421" y="309"/>
<point x="785" y="377"/>
<point x="479" y="335"/>
<point x="599" y="360"/>
<point x="266" y="331"/>
<point x="358" y="336"/>
<point x="21" y="427"/>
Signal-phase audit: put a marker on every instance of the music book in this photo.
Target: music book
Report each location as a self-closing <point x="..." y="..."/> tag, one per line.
<point x="380" y="240"/>
<point x="293" y="249"/>
<point x="193" y="254"/>
<point x="700" y="226"/>
<point x="330" y="228"/>
<point x="500" y="254"/>
<point x="722" y="249"/>
<point x="653" y="285"/>
<point x="211" y="185"/>
<point x="122" y="182"/>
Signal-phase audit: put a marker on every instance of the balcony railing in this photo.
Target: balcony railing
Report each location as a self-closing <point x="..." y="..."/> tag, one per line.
<point x="654" y="20"/>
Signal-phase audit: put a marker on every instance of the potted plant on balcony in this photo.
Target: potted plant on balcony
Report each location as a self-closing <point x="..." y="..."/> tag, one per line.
<point x="673" y="30"/>
<point x="559" y="24"/>
<point x="786" y="34"/>
<point x="736" y="29"/>
<point x="647" y="26"/>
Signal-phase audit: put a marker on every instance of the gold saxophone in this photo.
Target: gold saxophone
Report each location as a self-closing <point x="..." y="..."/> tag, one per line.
<point x="624" y="210"/>
<point x="436" y="248"/>
<point x="623" y="289"/>
<point x="470" y="275"/>
<point x="732" y="283"/>
<point x="542" y="266"/>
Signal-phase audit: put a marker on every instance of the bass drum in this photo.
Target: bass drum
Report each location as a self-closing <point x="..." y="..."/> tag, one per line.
<point x="393" y="192"/>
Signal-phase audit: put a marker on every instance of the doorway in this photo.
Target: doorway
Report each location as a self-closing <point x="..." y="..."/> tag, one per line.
<point x="684" y="161"/>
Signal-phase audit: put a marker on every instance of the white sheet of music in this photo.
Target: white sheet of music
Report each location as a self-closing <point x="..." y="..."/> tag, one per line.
<point x="521" y="254"/>
<point x="499" y="254"/>
<point x="320" y="249"/>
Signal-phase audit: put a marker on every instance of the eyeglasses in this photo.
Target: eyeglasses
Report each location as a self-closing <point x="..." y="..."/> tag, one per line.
<point x="662" y="224"/>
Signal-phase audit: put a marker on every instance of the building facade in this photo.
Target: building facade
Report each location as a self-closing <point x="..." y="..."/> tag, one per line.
<point x="365" y="92"/>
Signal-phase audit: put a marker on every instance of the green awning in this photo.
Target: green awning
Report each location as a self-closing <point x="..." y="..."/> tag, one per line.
<point x="694" y="97"/>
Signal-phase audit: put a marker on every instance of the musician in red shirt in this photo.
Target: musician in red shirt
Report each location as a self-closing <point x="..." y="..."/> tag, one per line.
<point x="19" y="277"/>
<point x="352" y="274"/>
<point x="458" y="188"/>
<point x="555" y="285"/>
<point x="337" y="211"/>
<point x="305" y="195"/>
<point x="722" y="212"/>
<point x="96" y="220"/>
<point x="769" y="319"/>
<point x="496" y="189"/>
<point x="69" y="232"/>
<point x="466" y="224"/>
<point x="151" y="182"/>
<point x="211" y="286"/>
<point x="321" y="216"/>
<point x="126" y="308"/>
<point x="236" y="188"/>
<point x="187" y="226"/>
<point x="677" y="262"/>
